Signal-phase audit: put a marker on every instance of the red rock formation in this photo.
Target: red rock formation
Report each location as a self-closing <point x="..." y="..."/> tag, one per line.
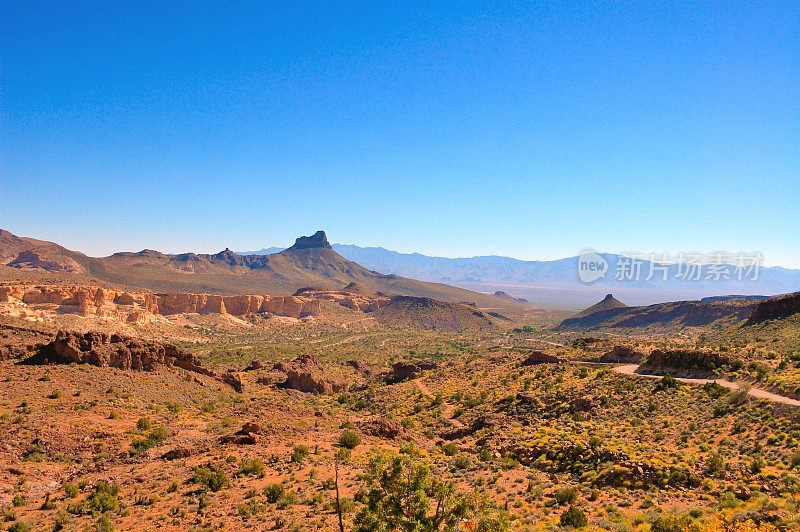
<point x="307" y="375"/>
<point x="123" y="352"/>
<point x="406" y="370"/>
<point x="116" y="351"/>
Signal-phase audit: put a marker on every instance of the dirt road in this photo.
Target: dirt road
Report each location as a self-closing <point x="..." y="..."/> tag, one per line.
<point x="630" y="369"/>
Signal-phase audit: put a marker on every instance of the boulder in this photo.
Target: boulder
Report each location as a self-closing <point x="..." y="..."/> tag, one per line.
<point x="313" y="381"/>
<point x="233" y="379"/>
<point x="382" y="428"/>
<point x="538" y="357"/>
<point x="249" y="434"/>
<point x="176" y="454"/>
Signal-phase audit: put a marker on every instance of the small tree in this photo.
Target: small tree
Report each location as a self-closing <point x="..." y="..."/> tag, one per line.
<point x="404" y="493"/>
<point x="349" y="440"/>
<point x="574" y="517"/>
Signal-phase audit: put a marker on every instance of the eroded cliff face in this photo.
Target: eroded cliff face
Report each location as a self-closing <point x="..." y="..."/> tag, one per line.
<point x="36" y="301"/>
<point x="292" y="306"/>
<point x="356" y="301"/>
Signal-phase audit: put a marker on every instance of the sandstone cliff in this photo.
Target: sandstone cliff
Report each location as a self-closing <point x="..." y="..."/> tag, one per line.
<point x="143" y="306"/>
<point x="351" y="297"/>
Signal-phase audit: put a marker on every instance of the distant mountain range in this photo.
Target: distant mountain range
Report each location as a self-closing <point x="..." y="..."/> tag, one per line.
<point x="556" y="283"/>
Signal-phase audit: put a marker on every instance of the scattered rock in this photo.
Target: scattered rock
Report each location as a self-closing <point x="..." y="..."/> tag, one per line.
<point x="176" y="454"/>
<point x="249" y="434"/>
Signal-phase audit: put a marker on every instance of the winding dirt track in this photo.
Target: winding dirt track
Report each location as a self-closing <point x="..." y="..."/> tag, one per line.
<point x="630" y="369"/>
<point x="447" y="408"/>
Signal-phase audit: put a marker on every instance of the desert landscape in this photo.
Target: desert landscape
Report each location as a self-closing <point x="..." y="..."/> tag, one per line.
<point x="371" y="402"/>
<point x="399" y="266"/>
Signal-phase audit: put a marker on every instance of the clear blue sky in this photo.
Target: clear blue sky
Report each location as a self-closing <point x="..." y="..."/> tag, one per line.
<point x="526" y="130"/>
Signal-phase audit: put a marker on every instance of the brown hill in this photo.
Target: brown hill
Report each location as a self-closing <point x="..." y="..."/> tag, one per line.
<point x="509" y="297"/>
<point x="608" y="303"/>
<point x="775" y="308"/>
<point x="309" y="262"/>
<point x="30" y="254"/>
<point x="675" y="314"/>
<point x="427" y="313"/>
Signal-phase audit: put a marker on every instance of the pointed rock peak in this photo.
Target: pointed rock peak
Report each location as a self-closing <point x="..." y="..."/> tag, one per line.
<point x="609" y="302"/>
<point x="317" y="240"/>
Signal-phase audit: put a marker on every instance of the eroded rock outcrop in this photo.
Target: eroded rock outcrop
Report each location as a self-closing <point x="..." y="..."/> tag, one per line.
<point x="409" y="370"/>
<point x="538" y="357"/>
<point x="291" y="306"/>
<point x="352" y="296"/>
<point x="683" y="362"/>
<point x="249" y="434"/>
<point x="382" y="428"/>
<point x="83" y="300"/>
<point x="113" y="350"/>
<point x="123" y="352"/>
<point x="775" y="308"/>
<point x="306" y="374"/>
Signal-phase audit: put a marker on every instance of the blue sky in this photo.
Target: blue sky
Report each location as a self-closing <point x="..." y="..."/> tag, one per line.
<point x="521" y="129"/>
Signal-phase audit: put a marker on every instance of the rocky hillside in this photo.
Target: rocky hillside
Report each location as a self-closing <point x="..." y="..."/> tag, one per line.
<point x="676" y="314"/>
<point x="427" y="313"/>
<point x="775" y="308"/>
<point x="32" y="254"/>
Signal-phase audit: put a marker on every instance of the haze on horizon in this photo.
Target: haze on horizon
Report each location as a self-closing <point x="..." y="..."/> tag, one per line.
<point x="524" y="131"/>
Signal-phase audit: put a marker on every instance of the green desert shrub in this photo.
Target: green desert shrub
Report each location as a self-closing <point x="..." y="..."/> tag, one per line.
<point x="274" y="492"/>
<point x="349" y="440"/>
<point x="213" y="480"/>
<point x="573" y="517"/>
